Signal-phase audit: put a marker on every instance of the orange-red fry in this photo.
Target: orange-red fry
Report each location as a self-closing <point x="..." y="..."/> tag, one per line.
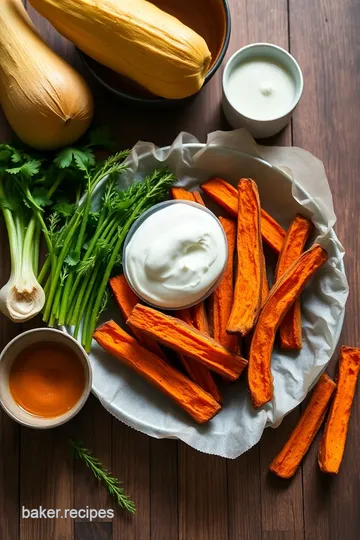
<point x="225" y="195"/>
<point x="332" y="444"/>
<point x="288" y="460"/>
<point x="248" y="281"/>
<point x="294" y="243"/>
<point x="222" y="298"/>
<point x="198" y="198"/>
<point x="196" y="371"/>
<point x="181" y="194"/>
<point x="187" y="340"/>
<point x="281" y="297"/>
<point x="265" y="283"/>
<point x="200" y="405"/>
<point x="126" y="300"/>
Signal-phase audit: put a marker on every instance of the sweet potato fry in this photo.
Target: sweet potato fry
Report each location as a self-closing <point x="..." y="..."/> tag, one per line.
<point x="181" y="194"/>
<point x="294" y="243"/>
<point x="126" y="300"/>
<point x="196" y="317"/>
<point x="272" y="232"/>
<point x="225" y="195"/>
<point x="196" y="371"/>
<point x="199" y="318"/>
<point x="248" y="284"/>
<point x="200" y="405"/>
<point x="198" y="198"/>
<point x="264" y="283"/>
<point x="222" y="298"/>
<point x="288" y="460"/>
<point x="332" y="444"/>
<point x="281" y="297"/>
<point x="187" y="340"/>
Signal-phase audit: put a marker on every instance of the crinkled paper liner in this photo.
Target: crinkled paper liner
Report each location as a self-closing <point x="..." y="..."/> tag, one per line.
<point x="295" y="178"/>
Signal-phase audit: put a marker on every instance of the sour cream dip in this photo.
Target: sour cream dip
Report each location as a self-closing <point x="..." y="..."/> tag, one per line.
<point x="262" y="84"/>
<point x="261" y="89"/>
<point x="176" y="255"/>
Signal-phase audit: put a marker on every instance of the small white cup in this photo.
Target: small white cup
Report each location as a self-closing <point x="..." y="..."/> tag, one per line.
<point x="261" y="128"/>
<point x="8" y="355"/>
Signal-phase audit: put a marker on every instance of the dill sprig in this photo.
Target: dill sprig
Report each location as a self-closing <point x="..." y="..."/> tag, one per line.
<point x="111" y="483"/>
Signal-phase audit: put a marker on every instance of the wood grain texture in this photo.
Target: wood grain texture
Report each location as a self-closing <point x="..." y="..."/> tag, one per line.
<point x="131" y="463"/>
<point x="181" y="494"/>
<point x="164" y="490"/>
<point x="46" y="473"/>
<point x="326" y="41"/>
<point x="93" y="531"/>
<point x="244" y="496"/>
<point x="281" y="500"/>
<point x="203" y="497"/>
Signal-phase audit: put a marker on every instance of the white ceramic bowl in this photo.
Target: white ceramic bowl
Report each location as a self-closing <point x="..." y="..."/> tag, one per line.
<point x="260" y="128"/>
<point x="138" y="224"/>
<point x="8" y="355"/>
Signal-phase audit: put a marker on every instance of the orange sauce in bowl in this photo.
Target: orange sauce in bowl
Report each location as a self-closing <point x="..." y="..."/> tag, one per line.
<point x="47" y="379"/>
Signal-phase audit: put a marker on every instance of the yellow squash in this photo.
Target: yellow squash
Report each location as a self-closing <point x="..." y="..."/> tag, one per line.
<point x="136" y="39"/>
<point x="46" y="102"/>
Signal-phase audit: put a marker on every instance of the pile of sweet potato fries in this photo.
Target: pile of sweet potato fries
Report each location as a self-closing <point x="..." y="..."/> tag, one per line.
<point x="243" y="309"/>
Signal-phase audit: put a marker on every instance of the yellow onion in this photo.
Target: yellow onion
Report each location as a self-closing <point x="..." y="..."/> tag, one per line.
<point x="46" y="102"/>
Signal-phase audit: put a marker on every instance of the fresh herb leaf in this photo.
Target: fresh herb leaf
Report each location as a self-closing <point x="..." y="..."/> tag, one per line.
<point x="28" y="169"/>
<point x="65" y="209"/>
<point x="8" y="204"/>
<point x="64" y="158"/>
<point x="111" y="483"/>
<point x="5" y="154"/>
<point x="104" y="301"/>
<point x="72" y="258"/>
<point x="40" y="196"/>
<point x="86" y="265"/>
<point x="63" y="275"/>
<point x="17" y="156"/>
<point x="83" y="159"/>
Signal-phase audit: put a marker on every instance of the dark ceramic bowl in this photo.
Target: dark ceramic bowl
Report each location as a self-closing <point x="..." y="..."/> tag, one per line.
<point x="209" y="18"/>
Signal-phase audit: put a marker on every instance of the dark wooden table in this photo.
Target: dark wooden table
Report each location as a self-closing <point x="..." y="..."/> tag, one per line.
<point x="180" y="493"/>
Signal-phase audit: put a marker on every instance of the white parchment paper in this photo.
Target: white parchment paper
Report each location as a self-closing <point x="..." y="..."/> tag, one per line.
<point x="292" y="180"/>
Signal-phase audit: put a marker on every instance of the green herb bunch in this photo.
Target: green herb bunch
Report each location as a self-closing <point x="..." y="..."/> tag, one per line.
<point x="84" y="244"/>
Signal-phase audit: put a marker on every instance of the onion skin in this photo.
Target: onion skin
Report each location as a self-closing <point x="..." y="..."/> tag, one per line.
<point x="46" y="102"/>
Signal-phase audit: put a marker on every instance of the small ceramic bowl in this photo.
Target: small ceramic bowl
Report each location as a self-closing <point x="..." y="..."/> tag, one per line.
<point x="209" y="18"/>
<point x="138" y="224"/>
<point x="8" y="355"/>
<point x="261" y="128"/>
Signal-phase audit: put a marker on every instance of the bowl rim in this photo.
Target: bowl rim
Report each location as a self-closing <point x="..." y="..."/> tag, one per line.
<point x="160" y="101"/>
<point x="66" y="417"/>
<point x="230" y="64"/>
<point x="140" y="221"/>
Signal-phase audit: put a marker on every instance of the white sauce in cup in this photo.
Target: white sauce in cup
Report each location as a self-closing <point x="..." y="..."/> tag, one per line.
<point x="176" y="256"/>
<point x="261" y="89"/>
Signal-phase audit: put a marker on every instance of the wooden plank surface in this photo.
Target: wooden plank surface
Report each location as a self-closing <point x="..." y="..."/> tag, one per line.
<point x="326" y="41"/>
<point x="181" y="494"/>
